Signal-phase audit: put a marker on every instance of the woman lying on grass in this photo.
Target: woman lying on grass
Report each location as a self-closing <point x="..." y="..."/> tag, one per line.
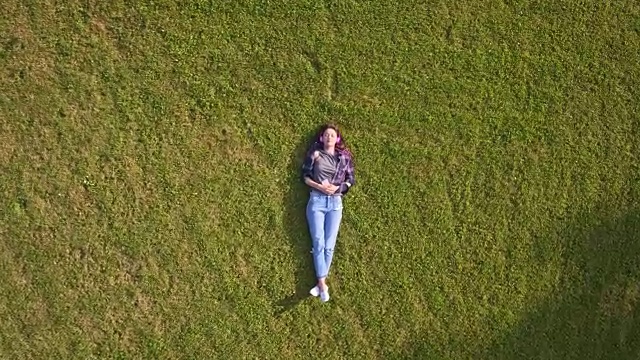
<point x="328" y="170"/>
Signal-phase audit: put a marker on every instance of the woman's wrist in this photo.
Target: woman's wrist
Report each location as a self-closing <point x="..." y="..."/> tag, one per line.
<point x="311" y="183"/>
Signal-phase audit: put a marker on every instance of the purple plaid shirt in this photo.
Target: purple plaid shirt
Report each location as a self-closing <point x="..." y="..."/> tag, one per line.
<point x="344" y="174"/>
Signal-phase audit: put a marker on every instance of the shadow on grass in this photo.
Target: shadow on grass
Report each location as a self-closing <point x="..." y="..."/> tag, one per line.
<point x="596" y="312"/>
<point x="295" y="225"/>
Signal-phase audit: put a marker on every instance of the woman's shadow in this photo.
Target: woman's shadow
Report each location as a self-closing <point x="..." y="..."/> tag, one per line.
<point x="295" y="226"/>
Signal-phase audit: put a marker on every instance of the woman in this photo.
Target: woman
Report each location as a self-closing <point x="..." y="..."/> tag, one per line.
<point x="328" y="170"/>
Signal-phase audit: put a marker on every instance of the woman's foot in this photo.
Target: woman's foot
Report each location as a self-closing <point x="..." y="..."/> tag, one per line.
<point x="315" y="291"/>
<point x="324" y="295"/>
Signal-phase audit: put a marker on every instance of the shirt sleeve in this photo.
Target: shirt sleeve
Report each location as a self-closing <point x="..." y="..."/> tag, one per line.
<point x="349" y="177"/>
<point x="307" y="165"/>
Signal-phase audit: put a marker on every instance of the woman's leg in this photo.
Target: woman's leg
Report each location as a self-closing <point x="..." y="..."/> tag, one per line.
<point x="316" y="220"/>
<point x="331" y="226"/>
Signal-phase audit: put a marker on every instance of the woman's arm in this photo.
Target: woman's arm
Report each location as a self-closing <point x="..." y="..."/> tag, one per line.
<point x="327" y="188"/>
<point x="307" y="165"/>
<point x="309" y="181"/>
<point x="349" y="178"/>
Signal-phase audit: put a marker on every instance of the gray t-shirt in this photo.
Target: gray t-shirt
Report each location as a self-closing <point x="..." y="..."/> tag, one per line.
<point x="325" y="166"/>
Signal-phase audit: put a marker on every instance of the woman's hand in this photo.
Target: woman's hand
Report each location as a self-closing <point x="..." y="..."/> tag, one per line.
<point x="324" y="187"/>
<point x="329" y="189"/>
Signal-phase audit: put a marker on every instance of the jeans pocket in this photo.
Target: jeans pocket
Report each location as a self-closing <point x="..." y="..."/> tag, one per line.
<point x="315" y="202"/>
<point x="337" y="202"/>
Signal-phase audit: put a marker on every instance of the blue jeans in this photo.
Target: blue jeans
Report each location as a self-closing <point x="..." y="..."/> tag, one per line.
<point x="324" y="213"/>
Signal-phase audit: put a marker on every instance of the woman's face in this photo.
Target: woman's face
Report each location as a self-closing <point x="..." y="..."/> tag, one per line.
<point x="330" y="137"/>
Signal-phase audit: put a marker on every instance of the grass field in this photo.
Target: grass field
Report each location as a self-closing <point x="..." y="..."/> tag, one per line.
<point x="151" y="203"/>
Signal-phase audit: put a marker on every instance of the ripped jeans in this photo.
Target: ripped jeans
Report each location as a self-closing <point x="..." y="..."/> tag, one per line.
<point x="324" y="213"/>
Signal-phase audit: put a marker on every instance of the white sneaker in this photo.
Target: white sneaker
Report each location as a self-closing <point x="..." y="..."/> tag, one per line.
<point x="324" y="295"/>
<point x="315" y="291"/>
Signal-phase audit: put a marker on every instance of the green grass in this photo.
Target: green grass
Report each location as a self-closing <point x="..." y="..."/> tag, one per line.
<point x="151" y="205"/>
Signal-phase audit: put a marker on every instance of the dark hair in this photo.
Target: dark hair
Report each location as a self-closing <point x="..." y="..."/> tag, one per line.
<point x="341" y="144"/>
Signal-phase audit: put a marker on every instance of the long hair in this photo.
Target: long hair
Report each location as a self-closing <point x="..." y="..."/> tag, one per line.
<point x="341" y="143"/>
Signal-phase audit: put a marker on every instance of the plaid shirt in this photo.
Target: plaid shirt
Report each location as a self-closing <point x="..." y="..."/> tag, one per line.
<point x="344" y="174"/>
